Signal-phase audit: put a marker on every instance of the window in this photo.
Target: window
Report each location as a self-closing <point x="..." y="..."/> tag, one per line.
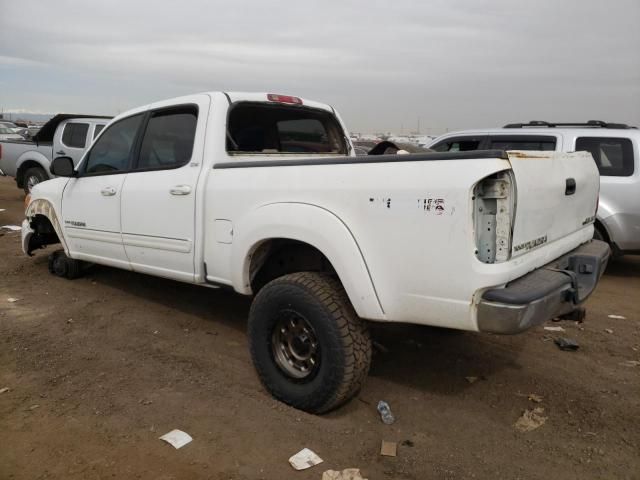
<point x="168" y="138"/>
<point x="97" y="130"/>
<point x="111" y="152"/>
<point x="275" y="128"/>
<point x="613" y="156"/>
<point x="522" y="142"/>
<point x="75" y="135"/>
<point x="458" y="144"/>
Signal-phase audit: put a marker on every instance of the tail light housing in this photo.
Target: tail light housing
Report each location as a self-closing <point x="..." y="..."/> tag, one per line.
<point x="494" y="214"/>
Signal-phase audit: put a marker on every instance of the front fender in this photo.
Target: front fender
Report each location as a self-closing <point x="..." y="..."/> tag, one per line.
<point x="317" y="227"/>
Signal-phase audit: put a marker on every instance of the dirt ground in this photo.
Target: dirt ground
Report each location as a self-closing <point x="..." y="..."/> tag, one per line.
<point x="98" y="368"/>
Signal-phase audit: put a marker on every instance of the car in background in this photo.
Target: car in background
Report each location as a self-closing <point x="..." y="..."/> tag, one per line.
<point x="615" y="147"/>
<point x="28" y="161"/>
<point x="8" y="134"/>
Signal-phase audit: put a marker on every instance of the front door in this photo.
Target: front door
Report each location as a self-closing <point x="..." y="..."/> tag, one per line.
<point x="159" y="195"/>
<point x="91" y="201"/>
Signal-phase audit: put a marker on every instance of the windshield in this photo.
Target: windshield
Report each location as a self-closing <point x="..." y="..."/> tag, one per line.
<point x="4" y="130"/>
<point x="266" y="128"/>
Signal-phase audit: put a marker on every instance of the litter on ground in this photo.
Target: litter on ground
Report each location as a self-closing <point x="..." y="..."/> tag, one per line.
<point x="535" y="398"/>
<point x="12" y="300"/>
<point x="617" y="317"/>
<point x="566" y="344"/>
<point x="608" y="330"/>
<point x="530" y="420"/>
<point x="3" y="390"/>
<point x="388" y="449"/>
<point x="471" y="379"/>
<point x="554" y="329"/>
<point x="346" y="474"/>
<point x="176" y="438"/>
<point x="385" y="412"/>
<point x="305" y="458"/>
<point x="13" y="228"/>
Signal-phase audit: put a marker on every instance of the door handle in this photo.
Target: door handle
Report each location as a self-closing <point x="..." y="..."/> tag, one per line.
<point x="180" y="190"/>
<point x="108" y="191"/>
<point x="61" y="152"/>
<point x="570" y="186"/>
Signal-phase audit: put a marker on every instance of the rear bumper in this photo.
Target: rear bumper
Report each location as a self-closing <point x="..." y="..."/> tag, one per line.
<point x="552" y="290"/>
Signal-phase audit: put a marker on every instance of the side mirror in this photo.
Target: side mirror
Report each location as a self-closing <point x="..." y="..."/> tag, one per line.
<point x="62" y="167"/>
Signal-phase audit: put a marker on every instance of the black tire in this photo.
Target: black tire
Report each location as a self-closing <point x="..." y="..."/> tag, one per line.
<point x="343" y="342"/>
<point x="62" y="266"/>
<point x="33" y="176"/>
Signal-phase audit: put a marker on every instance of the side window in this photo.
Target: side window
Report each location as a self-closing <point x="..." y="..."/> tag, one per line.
<point x="97" y="130"/>
<point x="545" y="143"/>
<point x="613" y="156"/>
<point x="111" y="152"/>
<point x="75" y="134"/>
<point x="168" y="139"/>
<point x="458" y="144"/>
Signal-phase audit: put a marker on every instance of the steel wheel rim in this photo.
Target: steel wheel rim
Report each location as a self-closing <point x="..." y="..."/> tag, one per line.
<point x="295" y="346"/>
<point x="32" y="181"/>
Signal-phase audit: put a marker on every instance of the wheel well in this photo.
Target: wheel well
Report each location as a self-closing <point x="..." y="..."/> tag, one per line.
<point x="23" y="168"/>
<point x="279" y="256"/>
<point x="44" y="233"/>
<point x="600" y="227"/>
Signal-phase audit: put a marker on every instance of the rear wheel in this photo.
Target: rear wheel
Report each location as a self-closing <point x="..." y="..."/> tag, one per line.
<point x="62" y="266"/>
<point x="32" y="177"/>
<point x="308" y="346"/>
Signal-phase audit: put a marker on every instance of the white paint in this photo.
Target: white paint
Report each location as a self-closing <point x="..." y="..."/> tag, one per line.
<point x="397" y="261"/>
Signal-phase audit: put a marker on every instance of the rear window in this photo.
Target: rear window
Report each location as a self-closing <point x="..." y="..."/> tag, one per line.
<point x="262" y="128"/>
<point x="546" y="143"/>
<point x="613" y="156"/>
<point x="458" y="144"/>
<point x="75" y="134"/>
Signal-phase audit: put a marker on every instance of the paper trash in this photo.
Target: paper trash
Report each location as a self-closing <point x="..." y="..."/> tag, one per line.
<point x="177" y="438"/>
<point x="346" y="474"/>
<point x="13" y="228"/>
<point x="617" y="317"/>
<point x="305" y="458"/>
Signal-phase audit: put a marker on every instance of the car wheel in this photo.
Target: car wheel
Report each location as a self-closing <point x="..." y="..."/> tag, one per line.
<point x="308" y="346"/>
<point x="62" y="266"/>
<point x="32" y="177"/>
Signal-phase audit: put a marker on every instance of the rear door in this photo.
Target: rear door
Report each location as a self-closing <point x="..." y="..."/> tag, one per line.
<point x="91" y="201"/>
<point x="557" y="195"/>
<point x="159" y="195"/>
<point x="71" y="139"/>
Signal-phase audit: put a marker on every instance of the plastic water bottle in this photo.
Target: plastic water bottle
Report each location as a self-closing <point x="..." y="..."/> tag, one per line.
<point x="385" y="412"/>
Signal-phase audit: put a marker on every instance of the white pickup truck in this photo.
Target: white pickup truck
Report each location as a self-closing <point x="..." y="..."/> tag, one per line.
<point x="28" y="161"/>
<point x="263" y="194"/>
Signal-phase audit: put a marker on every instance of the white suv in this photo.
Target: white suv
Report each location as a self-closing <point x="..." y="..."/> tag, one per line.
<point x="615" y="148"/>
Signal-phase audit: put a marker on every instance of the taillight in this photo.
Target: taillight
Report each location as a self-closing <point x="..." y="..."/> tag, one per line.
<point x="273" y="97"/>
<point x="494" y="213"/>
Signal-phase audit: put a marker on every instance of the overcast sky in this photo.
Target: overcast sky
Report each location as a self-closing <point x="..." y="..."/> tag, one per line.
<point x="453" y="64"/>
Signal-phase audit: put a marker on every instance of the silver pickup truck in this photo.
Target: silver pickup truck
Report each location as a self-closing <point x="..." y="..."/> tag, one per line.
<point x="28" y="161"/>
<point x="615" y="147"/>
